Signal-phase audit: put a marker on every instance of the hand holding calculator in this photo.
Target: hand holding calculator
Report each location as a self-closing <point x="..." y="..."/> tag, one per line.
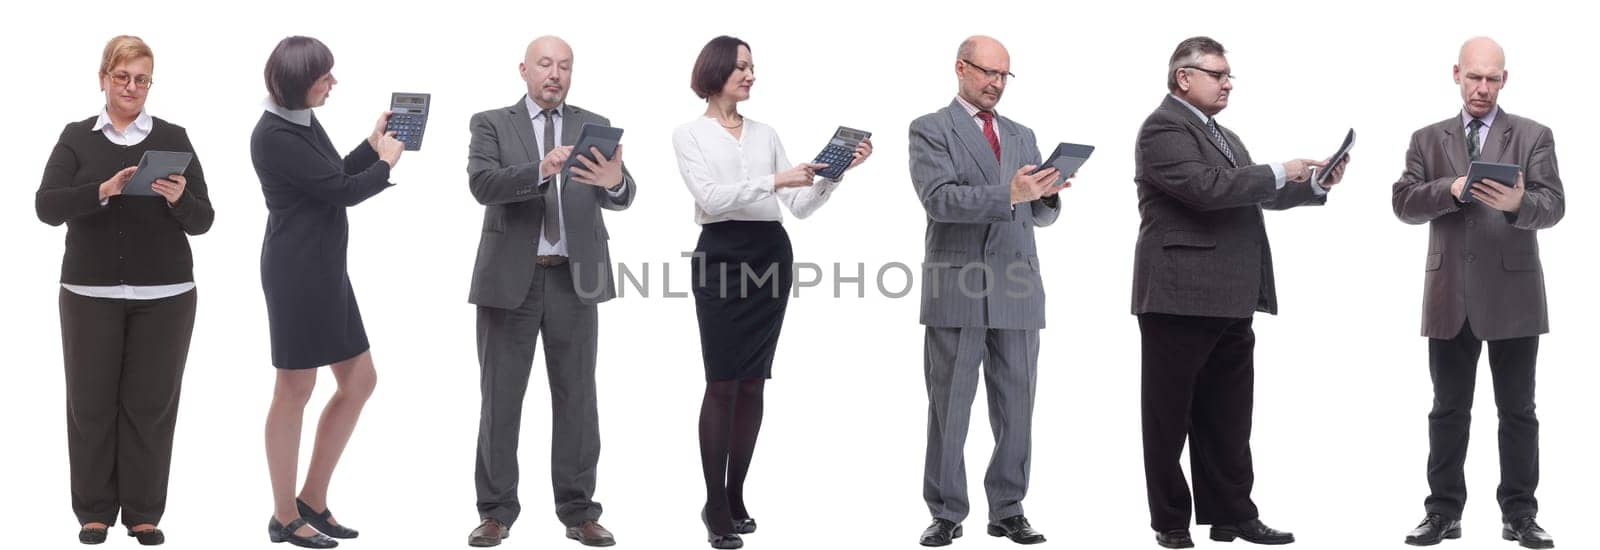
<point x="408" y="118"/>
<point x="840" y="152"/>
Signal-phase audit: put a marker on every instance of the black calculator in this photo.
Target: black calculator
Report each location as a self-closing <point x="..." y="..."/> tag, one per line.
<point x="408" y="117"/>
<point x="840" y="152"/>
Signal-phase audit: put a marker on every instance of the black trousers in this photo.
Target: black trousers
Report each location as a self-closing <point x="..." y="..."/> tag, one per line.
<point x="124" y="365"/>
<point x="1453" y="364"/>
<point x="1197" y="382"/>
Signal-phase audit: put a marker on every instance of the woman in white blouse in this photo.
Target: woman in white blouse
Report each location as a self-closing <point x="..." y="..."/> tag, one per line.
<point x="742" y="270"/>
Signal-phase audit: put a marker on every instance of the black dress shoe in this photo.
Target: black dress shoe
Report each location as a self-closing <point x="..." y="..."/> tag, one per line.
<point x="148" y="537"/>
<point x="320" y="522"/>
<point x="1434" y="528"/>
<point x="278" y="532"/>
<point x="1017" y="529"/>
<point x="1176" y="538"/>
<point x="941" y="532"/>
<point x="744" y="526"/>
<point x="92" y="535"/>
<point x="488" y="533"/>
<point x="1527" y="533"/>
<point x="1251" y="530"/>
<point x="720" y="540"/>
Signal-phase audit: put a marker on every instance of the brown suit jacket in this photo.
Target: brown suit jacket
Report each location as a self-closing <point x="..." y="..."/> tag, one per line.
<point x="1483" y="264"/>
<point x="1202" y="248"/>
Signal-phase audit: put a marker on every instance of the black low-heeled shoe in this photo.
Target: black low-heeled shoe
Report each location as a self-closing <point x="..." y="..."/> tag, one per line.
<point x="320" y="522"/>
<point x="92" y="535"/>
<point x="278" y="532"/>
<point x="744" y="526"/>
<point x="149" y="537"/>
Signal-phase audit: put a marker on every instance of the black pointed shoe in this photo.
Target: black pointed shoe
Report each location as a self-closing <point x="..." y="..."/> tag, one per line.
<point x="1174" y="538"/>
<point x="149" y="537"/>
<point x="941" y="532"/>
<point x="1251" y="530"/>
<point x="744" y="526"/>
<point x="319" y="521"/>
<point x="92" y="535"/>
<point x="721" y="541"/>
<point x="1017" y="529"/>
<point x="277" y="532"/>
<point x="1527" y="533"/>
<point x="1433" y="529"/>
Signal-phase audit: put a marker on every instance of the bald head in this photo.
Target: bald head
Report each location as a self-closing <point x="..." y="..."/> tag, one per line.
<point x="982" y="68"/>
<point x="547" y="69"/>
<point x="1480" y="71"/>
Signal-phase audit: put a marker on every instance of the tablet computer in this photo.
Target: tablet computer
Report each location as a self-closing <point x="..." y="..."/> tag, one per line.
<point x="1338" y="156"/>
<point x="604" y="138"/>
<point x="155" y="165"/>
<point x="1067" y="158"/>
<point x="1503" y="174"/>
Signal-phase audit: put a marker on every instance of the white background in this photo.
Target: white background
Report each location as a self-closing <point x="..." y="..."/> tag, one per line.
<point x="1342" y="387"/>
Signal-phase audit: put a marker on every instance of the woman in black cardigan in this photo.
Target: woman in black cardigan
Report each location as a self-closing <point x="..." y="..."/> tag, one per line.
<point x="127" y="297"/>
<point x="311" y="306"/>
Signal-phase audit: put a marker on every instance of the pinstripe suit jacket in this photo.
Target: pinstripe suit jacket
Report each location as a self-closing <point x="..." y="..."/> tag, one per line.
<point x="1202" y="247"/>
<point x="981" y="267"/>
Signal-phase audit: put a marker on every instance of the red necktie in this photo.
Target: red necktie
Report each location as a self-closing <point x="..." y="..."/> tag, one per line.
<point x="988" y="132"/>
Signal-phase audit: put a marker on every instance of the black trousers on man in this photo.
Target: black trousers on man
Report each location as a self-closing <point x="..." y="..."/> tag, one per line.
<point x="1453" y="364"/>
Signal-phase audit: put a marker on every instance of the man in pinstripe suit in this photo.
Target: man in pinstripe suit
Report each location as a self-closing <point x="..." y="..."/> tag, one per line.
<point x="982" y="298"/>
<point x="1201" y="270"/>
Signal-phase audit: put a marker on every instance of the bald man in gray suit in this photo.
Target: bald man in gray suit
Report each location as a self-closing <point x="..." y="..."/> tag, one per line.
<point x="1482" y="282"/>
<point x="982" y="297"/>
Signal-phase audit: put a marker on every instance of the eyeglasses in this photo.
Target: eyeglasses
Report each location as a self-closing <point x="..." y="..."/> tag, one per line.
<point x="1219" y="75"/>
<point x="988" y="73"/>
<point x="121" y="79"/>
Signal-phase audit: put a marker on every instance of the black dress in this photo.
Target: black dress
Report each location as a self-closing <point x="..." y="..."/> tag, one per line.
<point x="742" y="272"/>
<point x="311" y="306"/>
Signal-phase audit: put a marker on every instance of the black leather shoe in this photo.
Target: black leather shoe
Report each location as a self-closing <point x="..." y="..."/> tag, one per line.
<point x="92" y="535"/>
<point x="148" y="537"/>
<point x="1017" y="529"/>
<point x="1527" y="533"/>
<point x="488" y="533"/>
<point x="278" y="532"/>
<point x="1251" y="530"/>
<point x="320" y="522"/>
<point x="720" y="540"/>
<point x="1434" y="528"/>
<point x="941" y="532"/>
<point x="1176" y="538"/>
<point x="744" y="526"/>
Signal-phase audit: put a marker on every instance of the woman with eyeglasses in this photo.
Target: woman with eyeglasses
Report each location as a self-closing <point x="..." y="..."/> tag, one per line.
<point x="127" y="298"/>
<point x="311" y="306"/>
<point x="742" y="270"/>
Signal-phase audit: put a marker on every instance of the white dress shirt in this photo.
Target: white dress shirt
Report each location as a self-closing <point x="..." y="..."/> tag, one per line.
<point x="127" y="137"/>
<point x="1483" y="133"/>
<point x="732" y="178"/>
<point x="536" y="114"/>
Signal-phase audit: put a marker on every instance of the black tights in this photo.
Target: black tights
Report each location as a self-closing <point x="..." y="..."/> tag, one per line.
<point x="730" y="419"/>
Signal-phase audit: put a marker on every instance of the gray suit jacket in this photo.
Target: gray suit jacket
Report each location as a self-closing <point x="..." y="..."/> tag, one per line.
<point x="1202" y="247"/>
<point x="981" y="267"/>
<point x="503" y="173"/>
<point x="1483" y="264"/>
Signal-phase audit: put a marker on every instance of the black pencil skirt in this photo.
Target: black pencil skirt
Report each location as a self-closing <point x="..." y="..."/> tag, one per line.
<point x="742" y="272"/>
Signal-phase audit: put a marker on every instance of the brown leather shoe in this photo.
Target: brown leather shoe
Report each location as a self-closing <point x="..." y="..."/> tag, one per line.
<point x="590" y="533"/>
<point x="489" y="533"/>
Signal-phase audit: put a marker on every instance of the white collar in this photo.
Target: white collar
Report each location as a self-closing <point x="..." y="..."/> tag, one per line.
<point x="1488" y="120"/>
<point x="142" y="122"/>
<point x="534" y="109"/>
<point x="297" y="116"/>
<point x="973" y="110"/>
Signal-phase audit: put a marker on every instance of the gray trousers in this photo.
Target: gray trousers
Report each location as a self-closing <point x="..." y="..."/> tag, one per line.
<point x="506" y="341"/>
<point x="951" y="360"/>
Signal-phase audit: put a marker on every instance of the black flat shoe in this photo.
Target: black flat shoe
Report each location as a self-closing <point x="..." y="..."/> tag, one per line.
<point x="320" y="522"/>
<point x="1251" y="530"/>
<point x="148" y="537"/>
<point x="92" y="535"/>
<point x="720" y="541"/>
<point x="1176" y="538"/>
<point x="278" y="532"/>
<point x="744" y="526"/>
<point x="1433" y="529"/>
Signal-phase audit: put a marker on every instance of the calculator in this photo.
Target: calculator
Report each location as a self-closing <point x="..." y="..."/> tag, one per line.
<point x="840" y="152"/>
<point x="408" y="117"/>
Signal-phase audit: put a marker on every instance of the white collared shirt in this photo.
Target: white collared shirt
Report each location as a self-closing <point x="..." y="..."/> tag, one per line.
<point x="134" y="134"/>
<point x="301" y="117"/>
<point x="733" y="178"/>
<point x="1483" y="133"/>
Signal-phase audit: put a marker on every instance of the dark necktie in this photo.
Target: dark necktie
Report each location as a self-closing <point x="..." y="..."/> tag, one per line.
<point x="988" y="132"/>
<point x="1472" y="139"/>
<point x="552" y="204"/>
<point x="1216" y="134"/>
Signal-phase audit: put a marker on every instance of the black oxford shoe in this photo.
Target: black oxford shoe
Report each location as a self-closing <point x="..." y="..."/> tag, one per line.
<point x="941" y="532"/>
<point x="1017" y="529"/>
<point x="1175" y="538"/>
<point x="1251" y="530"/>
<point x="1434" y="528"/>
<point x="1527" y="533"/>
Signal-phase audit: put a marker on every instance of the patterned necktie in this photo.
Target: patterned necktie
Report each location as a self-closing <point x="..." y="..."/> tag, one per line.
<point x="1211" y="125"/>
<point x="552" y="198"/>
<point x="1472" y="139"/>
<point x="988" y="132"/>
